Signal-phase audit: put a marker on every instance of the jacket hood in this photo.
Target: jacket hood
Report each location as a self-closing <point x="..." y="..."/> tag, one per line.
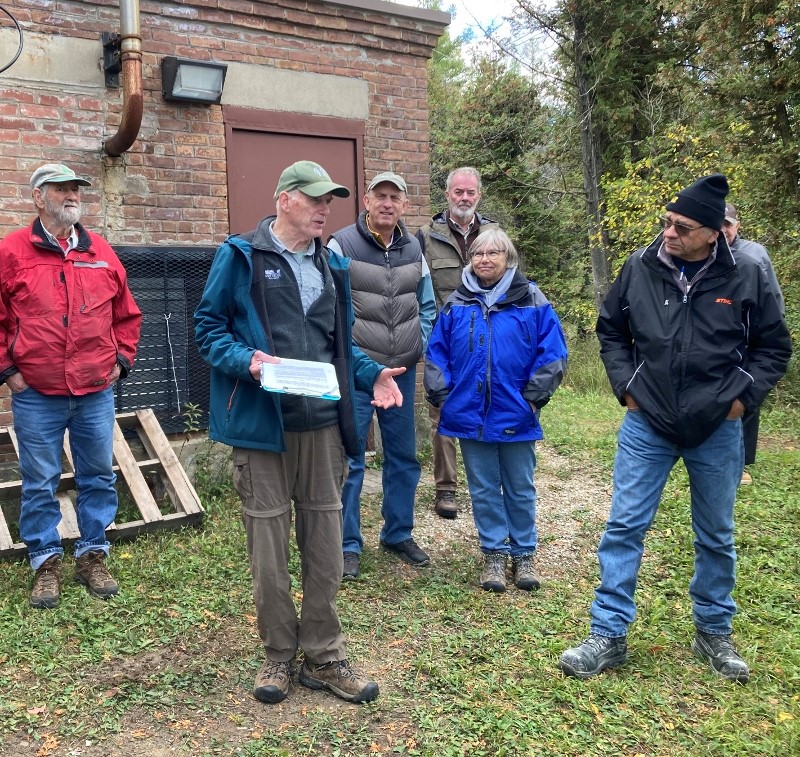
<point x="511" y="287"/>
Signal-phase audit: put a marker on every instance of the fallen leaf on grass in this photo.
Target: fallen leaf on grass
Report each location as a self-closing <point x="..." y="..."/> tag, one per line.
<point x="37" y="710"/>
<point x="48" y="745"/>
<point x="784" y="716"/>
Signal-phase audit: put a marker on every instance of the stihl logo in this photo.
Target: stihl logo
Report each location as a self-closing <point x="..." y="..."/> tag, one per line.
<point x="723" y="301"/>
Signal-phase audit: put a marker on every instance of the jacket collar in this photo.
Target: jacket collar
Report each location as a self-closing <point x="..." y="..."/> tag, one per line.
<point x="41" y="238"/>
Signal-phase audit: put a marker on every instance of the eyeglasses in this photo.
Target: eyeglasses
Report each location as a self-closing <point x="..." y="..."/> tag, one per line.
<point x="491" y="254"/>
<point x="682" y="228"/>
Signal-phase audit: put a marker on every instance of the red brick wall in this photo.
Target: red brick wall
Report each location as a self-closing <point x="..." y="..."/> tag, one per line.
<point x="175" y="172"/>
<point x="175" y="183"/>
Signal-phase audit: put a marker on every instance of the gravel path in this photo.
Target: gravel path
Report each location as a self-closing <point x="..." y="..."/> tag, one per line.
<point x="573" y="498"/>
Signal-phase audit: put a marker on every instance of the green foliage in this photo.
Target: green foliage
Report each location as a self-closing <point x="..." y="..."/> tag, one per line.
<point x="192" y="413"/>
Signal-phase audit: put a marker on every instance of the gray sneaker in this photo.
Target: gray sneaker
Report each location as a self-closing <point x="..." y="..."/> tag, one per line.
<point x="272" y="682"/>
<point x="493" y="575"/>
<point x="718" y="649"/>
<point x="594" y="655"/>
<point x="341" y="679"/>
<point x="524" y="577"/>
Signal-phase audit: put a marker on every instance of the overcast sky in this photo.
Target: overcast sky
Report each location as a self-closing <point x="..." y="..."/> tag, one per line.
<point x="474" y="13"/>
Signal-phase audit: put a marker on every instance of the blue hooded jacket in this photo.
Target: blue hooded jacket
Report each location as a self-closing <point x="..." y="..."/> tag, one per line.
<point x="490" y="355"/>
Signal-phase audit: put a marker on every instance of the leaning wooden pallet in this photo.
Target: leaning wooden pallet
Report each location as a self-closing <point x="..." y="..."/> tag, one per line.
<point x="161" y="467"/>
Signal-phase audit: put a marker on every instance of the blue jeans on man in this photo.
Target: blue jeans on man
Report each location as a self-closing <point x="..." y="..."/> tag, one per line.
<point x="643" y="462"/>
<point x="39" y="423"/>
<point x="401" y="469"/>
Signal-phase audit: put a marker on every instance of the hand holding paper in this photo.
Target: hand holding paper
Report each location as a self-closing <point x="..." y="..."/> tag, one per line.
<point x="257" y="359"/>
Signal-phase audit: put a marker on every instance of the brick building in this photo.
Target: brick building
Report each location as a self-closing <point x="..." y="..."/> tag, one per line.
<point x="343" y="83"/>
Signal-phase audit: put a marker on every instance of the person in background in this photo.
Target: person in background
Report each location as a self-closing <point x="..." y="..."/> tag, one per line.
<point x="445" y="240"/>
<point x="394" y="309"/>
<point x="496" y="356"/>
<point x="278" y="292"/>
<point x="740" y="246"/>
<point x="690" y="338"/>
<point x="69" y="328"/>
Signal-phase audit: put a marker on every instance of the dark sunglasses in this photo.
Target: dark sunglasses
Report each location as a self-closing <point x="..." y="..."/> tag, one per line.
<point x="683" y="229"/>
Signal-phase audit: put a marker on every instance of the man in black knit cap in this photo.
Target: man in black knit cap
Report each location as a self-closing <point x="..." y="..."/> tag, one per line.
<point x="689" y="338"/>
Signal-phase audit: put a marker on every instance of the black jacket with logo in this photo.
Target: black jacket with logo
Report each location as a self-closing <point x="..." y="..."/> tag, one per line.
<point x="686" y="350"/>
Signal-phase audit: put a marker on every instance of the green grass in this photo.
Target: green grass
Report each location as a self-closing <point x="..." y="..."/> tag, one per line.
<point x="463" y="672"/>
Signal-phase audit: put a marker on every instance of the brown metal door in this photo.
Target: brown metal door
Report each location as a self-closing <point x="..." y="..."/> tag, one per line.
<point x="260" y="144"/>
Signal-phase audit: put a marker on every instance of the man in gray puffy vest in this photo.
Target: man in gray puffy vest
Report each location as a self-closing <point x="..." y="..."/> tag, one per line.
<point x="395" y="309"/>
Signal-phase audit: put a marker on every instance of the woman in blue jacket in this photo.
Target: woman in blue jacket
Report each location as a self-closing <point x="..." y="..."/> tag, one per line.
<point x="496" y="355"/>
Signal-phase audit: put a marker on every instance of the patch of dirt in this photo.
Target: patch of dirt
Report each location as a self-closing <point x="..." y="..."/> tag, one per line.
<point x="573" y="500"/>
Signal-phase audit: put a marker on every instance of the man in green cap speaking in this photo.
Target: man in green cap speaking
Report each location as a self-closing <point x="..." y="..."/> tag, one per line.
<point x="278" y="292"/>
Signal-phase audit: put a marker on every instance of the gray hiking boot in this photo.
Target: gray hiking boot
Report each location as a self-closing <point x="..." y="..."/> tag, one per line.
<point x="272" y="682"/>
<point x="524" y="577"/>
<point x="341" y="679"/>
<point x="46" y="589"/>
<point x="493" y="575"/>
<point x="594" y="655"/>
<point x="718" y="649"/>
<point x="91" y="572"/>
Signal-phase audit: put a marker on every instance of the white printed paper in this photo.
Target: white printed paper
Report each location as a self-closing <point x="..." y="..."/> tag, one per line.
<point x="304" y="377"/>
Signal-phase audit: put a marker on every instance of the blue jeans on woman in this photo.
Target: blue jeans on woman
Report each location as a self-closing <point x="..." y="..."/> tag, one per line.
<point x="643" y="462"/>
<point x="500" y="480"/>
<point x="401" y="469"/>
<point x="40" y="422"/>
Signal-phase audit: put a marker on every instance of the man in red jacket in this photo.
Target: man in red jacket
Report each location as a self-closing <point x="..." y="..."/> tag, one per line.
<point x="68" y="330"/>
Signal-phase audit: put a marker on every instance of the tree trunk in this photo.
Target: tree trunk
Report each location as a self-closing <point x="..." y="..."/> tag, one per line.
<point x="592" y="163"/>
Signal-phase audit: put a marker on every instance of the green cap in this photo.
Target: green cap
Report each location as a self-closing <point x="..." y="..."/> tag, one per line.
<point x="310" y="178"/>
<point x="56" y="173"/>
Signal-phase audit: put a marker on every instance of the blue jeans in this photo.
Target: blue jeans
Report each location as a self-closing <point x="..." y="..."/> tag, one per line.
<point x="401" y="469"/>
<point x="643" y="462"/>
<point x="500" y="480"/>
<point x="39" y="423"/>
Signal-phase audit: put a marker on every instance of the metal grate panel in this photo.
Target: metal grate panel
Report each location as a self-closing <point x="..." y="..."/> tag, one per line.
<point x="169" y="374"/>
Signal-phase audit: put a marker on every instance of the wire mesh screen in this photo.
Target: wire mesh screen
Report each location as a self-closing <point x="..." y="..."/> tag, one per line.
<point x="169" y="375"/>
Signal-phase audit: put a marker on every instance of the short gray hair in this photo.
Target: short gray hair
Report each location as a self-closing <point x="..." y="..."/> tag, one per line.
<point x="496" y="239"/>
<point x="469" y="170"/>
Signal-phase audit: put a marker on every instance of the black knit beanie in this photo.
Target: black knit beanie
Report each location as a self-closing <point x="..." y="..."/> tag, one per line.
<point x="703" y="201"/>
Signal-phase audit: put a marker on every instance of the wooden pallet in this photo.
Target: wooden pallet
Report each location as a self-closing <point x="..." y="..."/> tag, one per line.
<point x="160" y="470"/>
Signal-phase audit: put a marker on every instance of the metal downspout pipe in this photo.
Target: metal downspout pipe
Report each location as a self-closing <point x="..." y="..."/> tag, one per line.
<point x="131" y="75"/>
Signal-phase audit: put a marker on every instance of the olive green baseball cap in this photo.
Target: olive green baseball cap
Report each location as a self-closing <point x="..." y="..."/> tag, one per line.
<point x="310" y="178"/>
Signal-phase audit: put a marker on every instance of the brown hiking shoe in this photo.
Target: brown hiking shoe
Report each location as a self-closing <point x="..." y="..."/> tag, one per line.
<point x="445" y="505"/>
<point x="91" y="572"/>
<point x="46" y="589"/>
<point x="272" y="681"/>
<point x="341" y="679"/>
